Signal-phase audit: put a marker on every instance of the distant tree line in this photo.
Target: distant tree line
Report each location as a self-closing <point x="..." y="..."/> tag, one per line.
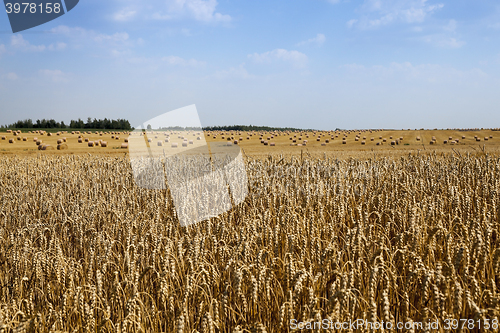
<point x="77" y="124"/>
<point x="178" y="128"/>
<point x="247" y="128"/>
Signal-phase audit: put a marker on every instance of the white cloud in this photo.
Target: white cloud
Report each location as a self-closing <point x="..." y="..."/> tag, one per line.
<point x="318" y="40"/>
<point x="57" y="46"/>
<point x="444" y="42"/>
<point x="2" y="49"/>
<point x="333" y="1"/>
<point x="178" y="61"/>
<point x="295" y="58"/>
<point x="377" y="13"/>
<point x="69" y="31"/>
<point x="77" y="32"/>
<point x="424" y="73"/>
<point x="117" y="37"/>
<point x="350" y="23"/>
<point x="448" y="39"/>
<point x="19" y="42"/>
<point x="238" y="73"/>
<point x="11" y="76"/>
<point x="495" y="25"/>
<point x="126" y="14"/>
<point x="451" y="26"/>
<point x="54" y="75"/>
<point x="199" y="10"/>
<point x="114" y="45"/>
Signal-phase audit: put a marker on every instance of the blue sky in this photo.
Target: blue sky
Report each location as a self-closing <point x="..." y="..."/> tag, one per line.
<point x="310" y="64"/>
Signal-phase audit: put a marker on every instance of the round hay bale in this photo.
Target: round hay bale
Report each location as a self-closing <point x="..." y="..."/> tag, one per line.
<point x="235" y="142"/>
<point x="166" y="140"/>
<point x="4" y="138"/>
<point x="62" y="146"/>
<point x="35" y="139"/>
<point x="125" y="140"/>
<point x="159" y="143"/>
<point x="372" y="139"/>
<point x="445" y="141"/>
<point x="272" y="144"/>
<point x="418" y="138"/>
<point x="104" y="144"/>
<point x="323" y="144"/>
<point x="184" y="143"/>
<point x="478" y="139"/>
<point x="48" y="134"/>
<point x="18" y="138"/>
<point x="47" y="147"/>
<point x="124" y="145"/>
<point x="59" y="141"/>
<point x="344" y="142"/>
<point x="25" y="139"/>
<point x="38" y="142"/>
<point x="150" y="140"/>
<point x="327" y="141"/>
<point x="117" y="137"/>
<point x="486" y="138"/>
<point x="91" y="143"/>
<point x="266" y="143"/>
<point x="363" y="142"/>
<point x="191" y="142"/>
<point x="80" y="140"/>
<point x="174" y="145"/>
<point x="11" y="141"/>
<point x="87" y="140"/>
<point x="393" y="143"/>
<point x="384" y="140"/>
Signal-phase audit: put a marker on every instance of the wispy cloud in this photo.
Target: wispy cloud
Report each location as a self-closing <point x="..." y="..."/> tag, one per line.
<point x="425" y="73"/>
<point x="116" y="37"/>
<point x="234" y="72"/>
<point x="178" y="61"/>
<point x="448" y="38"/>
<point x="11" y="76"/>
<point x="54" y="75"/>
<point x="318" y="40"/>
<point x="18" y="42"/>
<point x="378" y="13"/>
<point x="199" y="10"/>
<point x="125" y="14"/>
<point x="295" y="58"/>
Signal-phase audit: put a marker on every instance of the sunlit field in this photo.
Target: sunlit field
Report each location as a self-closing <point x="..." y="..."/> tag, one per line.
<point x="403" y="231"/>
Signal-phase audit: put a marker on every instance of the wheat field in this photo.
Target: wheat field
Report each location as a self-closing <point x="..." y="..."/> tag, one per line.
<point x="408" y="238"/>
